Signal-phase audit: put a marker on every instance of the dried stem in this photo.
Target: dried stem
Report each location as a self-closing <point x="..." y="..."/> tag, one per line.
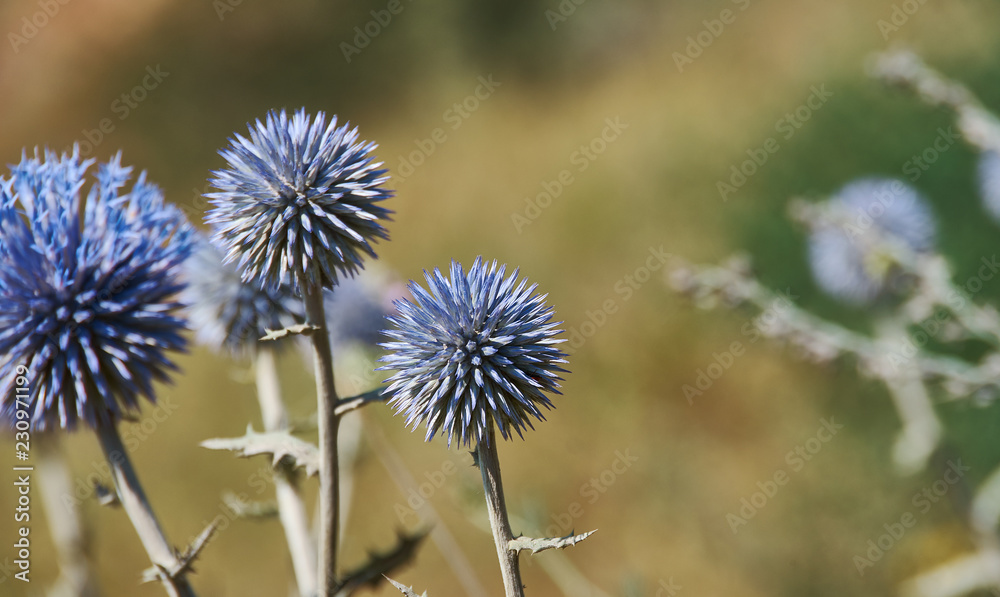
<point x="291" y="507"/>
<point x="489" y="466"/>
<point x="329" y="421"/>
<point x="133" y="500"/>
<point x="68" y="535"/>
<point x="921" y="430"/>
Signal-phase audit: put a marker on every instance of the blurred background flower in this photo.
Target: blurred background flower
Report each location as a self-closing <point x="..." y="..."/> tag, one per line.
<point x="851" y="256"/>
<point x="227" y="313"/>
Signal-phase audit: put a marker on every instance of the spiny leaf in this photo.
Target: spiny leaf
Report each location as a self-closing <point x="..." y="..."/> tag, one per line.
<point x="405" y="590"/>
<point x="372" y="573"/>
<point x="537" y="545"/>
<point x="302" y="328"/>
<point x="279" y="444"/>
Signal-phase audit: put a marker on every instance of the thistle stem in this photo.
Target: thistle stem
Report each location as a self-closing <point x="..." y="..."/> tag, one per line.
<point x="329" y="421"/>
<point x="489" y="466"/>
<point x="133" y="500"/>
<point x="291" y="507"/>
<point x="68" y="533"/>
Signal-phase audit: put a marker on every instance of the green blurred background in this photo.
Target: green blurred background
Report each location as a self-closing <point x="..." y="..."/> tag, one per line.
<point x="653" y="186"/>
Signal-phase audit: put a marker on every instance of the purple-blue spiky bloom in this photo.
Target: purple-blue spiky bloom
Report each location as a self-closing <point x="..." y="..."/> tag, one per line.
<point x="299" y="201"/>
<point x="473" y="350"/>
<point x="843" y="261"/>
<point x="226" y="312"/>
<point x="87" y="289"/>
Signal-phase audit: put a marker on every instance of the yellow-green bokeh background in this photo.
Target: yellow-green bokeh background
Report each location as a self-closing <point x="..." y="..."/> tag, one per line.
<point x="665" y="517"/>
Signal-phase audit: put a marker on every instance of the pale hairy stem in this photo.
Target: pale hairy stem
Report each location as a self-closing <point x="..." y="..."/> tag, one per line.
<point x="922" y="429"/>
<point x="489" y="466"/>
<point x="816" y="335"/>
<point x="440" y="534"/>
<point x="328" y="421"/>
<point x="136" y="506"/>
<point x="291" y="507"/>
<point x="75" y="575"/>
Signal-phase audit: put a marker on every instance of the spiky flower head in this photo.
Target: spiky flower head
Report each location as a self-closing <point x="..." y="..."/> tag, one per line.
<point x="845" y="258"/>
<point x="989" y="182"/>
<point x="299" y="201"/>
<point x="87" y="290"/>
<point x="228" y="313"/>
<point x="474" y="349"/>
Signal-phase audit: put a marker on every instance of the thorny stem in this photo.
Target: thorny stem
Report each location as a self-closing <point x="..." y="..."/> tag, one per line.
<point x="905" y="69"/>
<point x="329" y="421"/>
<point x="133" y="500"/>
<point x="818" y="337"/>
<point x="489" y="466"/>
<point x="291" y="508"/>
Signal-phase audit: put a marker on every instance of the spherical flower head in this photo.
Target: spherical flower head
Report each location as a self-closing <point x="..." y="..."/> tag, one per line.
<point x="299" y="201"/>
<point x="875" y="210"/>
<point x="357" y="307"/>
<point x="989" y="182"/>
<point x="87" y="290"/>
<point x="228" y="313"/>
<point x="474" y="349"/>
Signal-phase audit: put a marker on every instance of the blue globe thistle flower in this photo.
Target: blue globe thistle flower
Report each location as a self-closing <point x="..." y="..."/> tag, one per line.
<point x="989" y="182"/>
<point x="474" y="350"/>
<point x="356" y="309"/>
<point x="299" y="200"/>
<point x="843" y="262"/>
<point x="87" y="287"/>
<point x="227" y="313"/>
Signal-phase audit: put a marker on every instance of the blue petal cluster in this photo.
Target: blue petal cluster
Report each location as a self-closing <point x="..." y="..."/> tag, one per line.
<point x="227" y="313"/>
<point x="473" y="350"/>
<point x="87" y="289"/>
<point x="356" y="310"/>
<point x="843" y="263"/>
<point x="299" y="201"/>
